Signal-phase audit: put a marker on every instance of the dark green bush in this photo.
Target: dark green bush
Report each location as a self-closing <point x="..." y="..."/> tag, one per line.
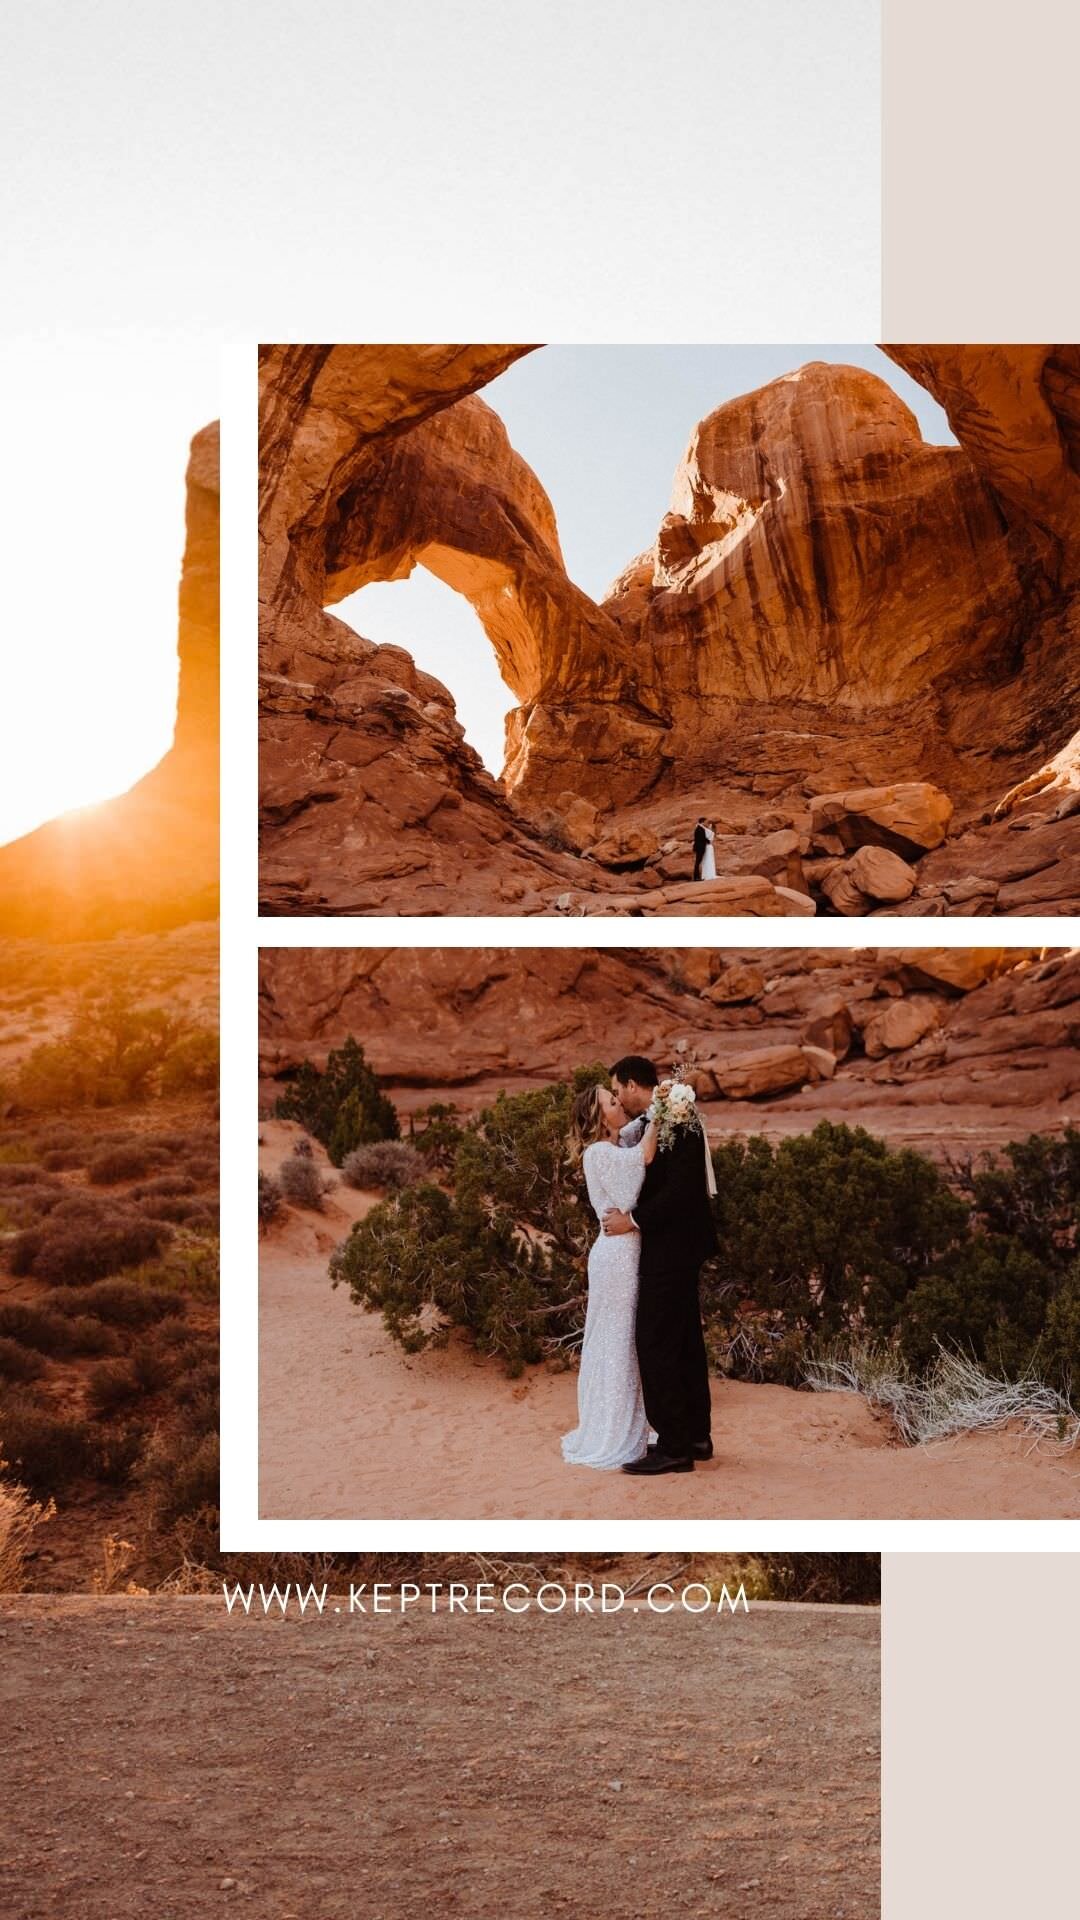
<point x="436" y="1133"/>
<point x="342" y="1106"/>
<point x="824" y="1236"/>
<point x="502" y="1257"/>
<point x="829" y="1228"/>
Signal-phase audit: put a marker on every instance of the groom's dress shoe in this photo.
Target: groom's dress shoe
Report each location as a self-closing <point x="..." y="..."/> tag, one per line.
<point x="701" y="1449"/>
<point x="654" y="1462"/>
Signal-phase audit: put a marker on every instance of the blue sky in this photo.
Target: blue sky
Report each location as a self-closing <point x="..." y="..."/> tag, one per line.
<point x="604" y="428"/>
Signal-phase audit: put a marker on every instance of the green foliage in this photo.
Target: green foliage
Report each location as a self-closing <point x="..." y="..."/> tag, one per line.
<point x="831" y="1227"/>
<point x="343" y="1106"/>
<point x="436" y="1133"/>
<point x="502" y="1257"/>
<point x="824" y="1238"/>
<point x="114" y="1052"/>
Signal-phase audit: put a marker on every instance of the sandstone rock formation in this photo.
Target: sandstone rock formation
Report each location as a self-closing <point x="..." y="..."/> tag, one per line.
<point x="149" y="858"/>
<point x="831" y="608"/>
<point x="957" y="1050"/>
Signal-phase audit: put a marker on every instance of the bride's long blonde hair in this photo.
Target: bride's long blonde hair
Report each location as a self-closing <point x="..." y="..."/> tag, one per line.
<point x="587" y="1124"/>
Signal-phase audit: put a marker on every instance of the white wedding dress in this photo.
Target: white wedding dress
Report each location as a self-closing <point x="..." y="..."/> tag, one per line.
<point x="612" y="1427"/>
<point x="708" y="858"/>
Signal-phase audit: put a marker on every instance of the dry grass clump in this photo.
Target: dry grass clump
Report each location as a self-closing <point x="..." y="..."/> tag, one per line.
<point x="20" y="1518"/>
<point x="955" y="1395"/>
<point x="48" y="1450"/>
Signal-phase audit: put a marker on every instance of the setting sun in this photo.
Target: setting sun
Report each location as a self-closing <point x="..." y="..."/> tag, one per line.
<point x="95" y="521"/>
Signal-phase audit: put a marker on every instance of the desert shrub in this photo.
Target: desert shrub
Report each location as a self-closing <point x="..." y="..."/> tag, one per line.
<point x="46" y="1331"/>
<point x="502" y="1257"/>
<point x="175" y="1211"/>
<point x="342" y="1106"/>
<point x="829" y="1228"/>
<point x="46" y="1450"/>
<point x="24" y="1250"/>
<point x="23" y="1174"/>
<point x="90" y="1338"/>
<point x="202" y="1169"/>
<point x="124" y="1163"/>
<point x="204" y="1222"/>
<point x="827" y="1578"/>
<point x="20" y="1518"/>
<point x="76" y="1253"/>
<point x="188" y="1265"/>
<point x="118" y="1448"/>
<point x="167" y="1186"/>
<point x="110" y="1384"/>
<point x="988" y="1299"/>
<point x="113" y="1052"/>
<point x="193" y="1062"/>
<point x="18" y="1362"/>
<point x="1061" y="1336"/>
<point x="300" y="1179"/>
<point x="1032" y="1195"/>
<point x="180" y="1473"/>
<point x="63" y="1159"/>
<point x="436" y="1133"/>
<point x="119" y="1303"/>
<point x="386" y="1164"/>
<point x="269" y="1200"/>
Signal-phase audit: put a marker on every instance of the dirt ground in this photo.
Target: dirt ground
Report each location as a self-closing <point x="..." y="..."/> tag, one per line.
<point x="163" y="1757"/>
<point x="353" y="1428"/>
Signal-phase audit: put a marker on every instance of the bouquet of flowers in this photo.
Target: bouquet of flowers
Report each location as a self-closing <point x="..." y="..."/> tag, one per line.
<point x="674" y="1107"/>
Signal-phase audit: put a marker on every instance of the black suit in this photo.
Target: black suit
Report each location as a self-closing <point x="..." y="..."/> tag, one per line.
<point x="677" y="1236"/>
<point x="701" y="841"/>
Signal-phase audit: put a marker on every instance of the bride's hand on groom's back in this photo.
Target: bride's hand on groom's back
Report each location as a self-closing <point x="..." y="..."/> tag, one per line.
<point x="615" y="1221"/>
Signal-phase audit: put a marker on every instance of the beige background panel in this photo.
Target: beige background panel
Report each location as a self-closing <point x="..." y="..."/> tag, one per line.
<point x="978" y="150"/>
<point x="980" y="1699"/>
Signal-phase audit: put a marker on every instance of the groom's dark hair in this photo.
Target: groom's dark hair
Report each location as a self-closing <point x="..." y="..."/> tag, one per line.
<point x="634" y="1066"/>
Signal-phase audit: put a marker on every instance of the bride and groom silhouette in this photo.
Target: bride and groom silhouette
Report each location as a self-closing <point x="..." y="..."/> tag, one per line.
<point x="643" y="1387"/>
<point x="704" y="851"/>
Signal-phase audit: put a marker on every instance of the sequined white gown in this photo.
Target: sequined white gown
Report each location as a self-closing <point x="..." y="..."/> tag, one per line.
<point x="612" y="1427"/>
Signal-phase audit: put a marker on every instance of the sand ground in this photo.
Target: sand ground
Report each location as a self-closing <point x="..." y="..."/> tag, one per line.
<point x="164" y="1757"/>
<point x="352" y="1428"/>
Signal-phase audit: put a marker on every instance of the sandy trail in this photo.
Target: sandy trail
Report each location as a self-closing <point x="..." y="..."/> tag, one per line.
<point x="352" y="1428"/>
<point x="164" y="1757"/>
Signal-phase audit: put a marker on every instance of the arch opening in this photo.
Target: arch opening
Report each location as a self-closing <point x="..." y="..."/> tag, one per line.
<point x="439" y="628"/>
